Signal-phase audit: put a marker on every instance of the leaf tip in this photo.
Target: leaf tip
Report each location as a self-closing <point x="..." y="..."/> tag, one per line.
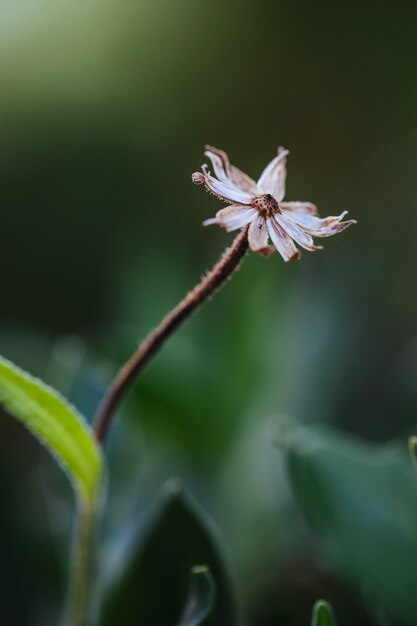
<point x="201" y="596"/>
<point x="173" y="487"/>
<point x="323" y="614"/>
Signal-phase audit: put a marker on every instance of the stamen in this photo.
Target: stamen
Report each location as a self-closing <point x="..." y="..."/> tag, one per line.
<point x="266" y="205"/>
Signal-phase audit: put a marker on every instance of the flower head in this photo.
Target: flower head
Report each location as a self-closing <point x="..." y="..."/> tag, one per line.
<point x="260" y="205"/>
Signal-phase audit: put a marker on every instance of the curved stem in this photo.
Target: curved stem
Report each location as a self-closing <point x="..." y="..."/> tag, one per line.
<point x="192" y="301"/>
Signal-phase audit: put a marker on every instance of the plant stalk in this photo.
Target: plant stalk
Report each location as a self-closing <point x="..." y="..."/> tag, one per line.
<point x="212" y="281"/>
<point x="78" y="597"/>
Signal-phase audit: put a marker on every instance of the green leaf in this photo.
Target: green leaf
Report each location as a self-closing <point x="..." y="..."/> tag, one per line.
<point x="200" y="598"/>
<point x="56" y="424"/>
<point x="361" y="502"/>
<point x="323" y="614"/>
<point x="152" y="565"/>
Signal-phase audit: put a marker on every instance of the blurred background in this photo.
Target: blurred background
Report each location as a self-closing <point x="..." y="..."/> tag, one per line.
<point x="284" y="407"/>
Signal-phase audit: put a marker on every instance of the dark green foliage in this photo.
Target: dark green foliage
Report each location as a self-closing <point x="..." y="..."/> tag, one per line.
<point x="155" y="583"/>
<point x="361" y="502"/>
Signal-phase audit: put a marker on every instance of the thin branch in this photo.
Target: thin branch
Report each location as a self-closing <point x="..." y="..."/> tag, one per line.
<point x="192" y="301"/>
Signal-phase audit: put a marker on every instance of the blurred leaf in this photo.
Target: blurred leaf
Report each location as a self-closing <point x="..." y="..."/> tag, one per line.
<point x="323" y="614"/>
<point x="361" y="502"/>
<point x="56" y="424"/>
<point x="155" y="566"/>
<point x="412" y="446"/>
<point x="201" y="597"/>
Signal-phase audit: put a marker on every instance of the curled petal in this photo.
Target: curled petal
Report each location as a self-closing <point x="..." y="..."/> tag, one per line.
<point x="258" y="235"/>
<point x="273" y="177"/>
<point x="283" y="243"/>
<point x="335" y="228"/>
<point x="222" y="190"/>
<point x="233" y="174"/>
<point x="323" y="227"/>
<point x="197" y="178"/>
<point x="233" y="217"/>
<point x="218" y="166"/>
<point x="296" y="232"/>
<point x="302" y="208"/>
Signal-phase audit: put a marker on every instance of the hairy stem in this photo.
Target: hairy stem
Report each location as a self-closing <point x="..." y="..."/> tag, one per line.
<point x="192" y="301"/>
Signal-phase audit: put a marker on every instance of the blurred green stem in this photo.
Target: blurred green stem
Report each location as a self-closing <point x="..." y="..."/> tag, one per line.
<point x="223" y="269"/>
<point x="78" y="595"/>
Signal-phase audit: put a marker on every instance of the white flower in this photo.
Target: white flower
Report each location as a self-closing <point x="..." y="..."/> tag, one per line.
<point x="260" y="204"/>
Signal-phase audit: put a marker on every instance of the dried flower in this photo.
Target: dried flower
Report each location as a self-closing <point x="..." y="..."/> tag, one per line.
<point x="261" y="205"/>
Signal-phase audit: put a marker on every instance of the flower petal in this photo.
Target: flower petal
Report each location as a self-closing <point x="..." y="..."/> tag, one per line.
<point x="273" y="177"/>
<point x="218" y="167"/>
<point x="234" y="175"/>
<point x="335" y="228"/>
<point x="282" y="242"/>
<point x="233" y="217"/>
<point x="303" y="208"/>
<point x="323" y="227"/>
<point x="296" y="232"/>
<point x="267" y="251"/>
<point x="258" y="235"/>
<point x="222" y="190"/>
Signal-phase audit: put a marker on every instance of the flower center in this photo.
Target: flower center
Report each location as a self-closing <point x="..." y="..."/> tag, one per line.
<point x="266" y="205"/>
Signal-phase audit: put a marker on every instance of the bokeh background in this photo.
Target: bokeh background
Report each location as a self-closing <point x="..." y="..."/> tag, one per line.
<point x="284" y="407"/>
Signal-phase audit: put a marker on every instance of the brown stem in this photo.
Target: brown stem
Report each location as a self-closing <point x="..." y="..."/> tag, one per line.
<point x="208" y="285"/>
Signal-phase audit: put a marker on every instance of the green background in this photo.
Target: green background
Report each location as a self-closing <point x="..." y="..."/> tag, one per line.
<point x="104" y="111"/>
